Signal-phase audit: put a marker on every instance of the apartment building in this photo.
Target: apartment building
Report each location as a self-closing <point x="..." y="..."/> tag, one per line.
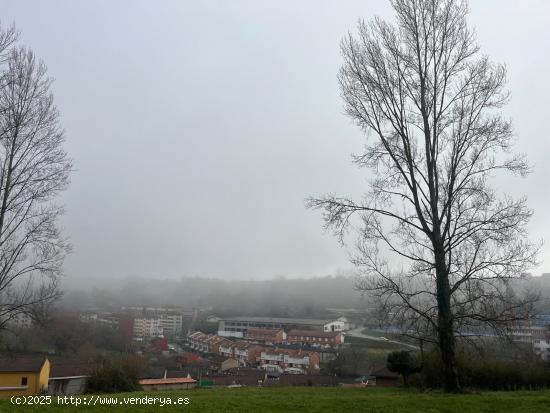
<point x="315" y="338"/>
<point x="171" y="323"/>
<point x="147" y="327"/>
<point x="289" y="360"/>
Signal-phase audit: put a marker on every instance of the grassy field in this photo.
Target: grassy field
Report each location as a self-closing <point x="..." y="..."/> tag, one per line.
<point x="308" y="399"/>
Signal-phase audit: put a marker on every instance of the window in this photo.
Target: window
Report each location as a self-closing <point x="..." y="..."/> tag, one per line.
<point x="23" y="381"/>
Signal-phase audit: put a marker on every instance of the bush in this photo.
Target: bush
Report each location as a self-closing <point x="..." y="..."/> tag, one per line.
<point x="115" y="376"/>
<point x="402" y="362"/>
<point x="485" y="373"/>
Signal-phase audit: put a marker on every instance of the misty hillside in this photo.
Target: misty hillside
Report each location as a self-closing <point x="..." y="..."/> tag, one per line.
<point x="276" y="297"/>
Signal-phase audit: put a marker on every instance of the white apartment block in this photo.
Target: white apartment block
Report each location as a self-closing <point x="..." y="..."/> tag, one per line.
<point x="171" y="323"/>
<point x="147" y="327"/>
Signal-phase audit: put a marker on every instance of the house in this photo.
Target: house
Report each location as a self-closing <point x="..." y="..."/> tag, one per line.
<point x="177" y="383"/>
<point x="221" y="364"/>
<point x="246" y="353"/>
<point x="315" y="338"/>
<point x="212" y="344"/>
<point x="193" y="338"/>
<point x="68" y="378"/>
<point x="196" y="340"/>
<point x="289" y="360"/>
<point x="23" y="376"/>
<point x="341" y="324"/>
<point x="226" y="348"/>
<point x="265" y="335"/>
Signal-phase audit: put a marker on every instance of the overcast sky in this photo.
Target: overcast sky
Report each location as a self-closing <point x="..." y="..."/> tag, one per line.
<point x="197" y="128"/>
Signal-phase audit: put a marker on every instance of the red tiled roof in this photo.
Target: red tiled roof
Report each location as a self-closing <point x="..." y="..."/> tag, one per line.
<point x="17" y="364"/>
<point x="313" y="333"/>
<point x="266" y="331"/>
<point x="71" y="369"/>
<point x="175" y="380"/>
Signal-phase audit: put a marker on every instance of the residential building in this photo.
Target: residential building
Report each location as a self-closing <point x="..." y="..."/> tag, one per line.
<point x="196" y="340"/>
<point x="171" y="323"/>
<point x="289" y="360"/>
<point x="341" y="324"/>
<point x="247" y="354"/>
<point x="265" y="335"/>
<point x="212" y="344"/>
<point x="88" y="317"/>
<point x="538" y="335"/>
<point x="220" y="363"/>
<point x="205" y="343"/>
<point x="226" y="348"/>
<point x="147" y="327"/>
<point x="23" y="376"/>
<point x="68" y="378"/>
<point x="315" y="338"/>
<point x="525" y="333"/>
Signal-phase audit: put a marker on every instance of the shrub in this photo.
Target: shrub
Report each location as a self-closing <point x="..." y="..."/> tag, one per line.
<point x="119" y="375"/>
<point x="485" y="373"/>
<point x="402" y="362"/>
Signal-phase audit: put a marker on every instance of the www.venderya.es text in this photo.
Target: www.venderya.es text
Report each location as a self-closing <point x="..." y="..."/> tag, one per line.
<point x="97" y="400"/>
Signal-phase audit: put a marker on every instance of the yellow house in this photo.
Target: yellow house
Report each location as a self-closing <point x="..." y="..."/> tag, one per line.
<point x="23" y="376"/>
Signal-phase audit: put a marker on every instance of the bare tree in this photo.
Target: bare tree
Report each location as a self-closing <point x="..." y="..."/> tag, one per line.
<point x="438" y="246"/>
<point x="34" y="168"/>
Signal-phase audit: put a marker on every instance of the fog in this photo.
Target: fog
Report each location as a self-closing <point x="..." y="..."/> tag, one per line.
<point x="198" y="128"/>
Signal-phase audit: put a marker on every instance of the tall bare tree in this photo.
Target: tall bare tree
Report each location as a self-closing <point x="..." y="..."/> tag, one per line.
<point x="34" y="168"/>
<point x="438" y="246"/>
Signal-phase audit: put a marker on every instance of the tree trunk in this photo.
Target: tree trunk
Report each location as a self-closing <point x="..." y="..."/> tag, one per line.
<point x="445" y="324"/>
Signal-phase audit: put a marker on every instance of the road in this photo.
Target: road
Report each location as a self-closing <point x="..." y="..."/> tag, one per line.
<point x="358" y="333"/>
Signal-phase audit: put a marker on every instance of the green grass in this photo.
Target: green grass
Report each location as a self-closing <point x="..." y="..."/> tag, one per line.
<point x="311" y="399"/>
<point x="374" y="333"/>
